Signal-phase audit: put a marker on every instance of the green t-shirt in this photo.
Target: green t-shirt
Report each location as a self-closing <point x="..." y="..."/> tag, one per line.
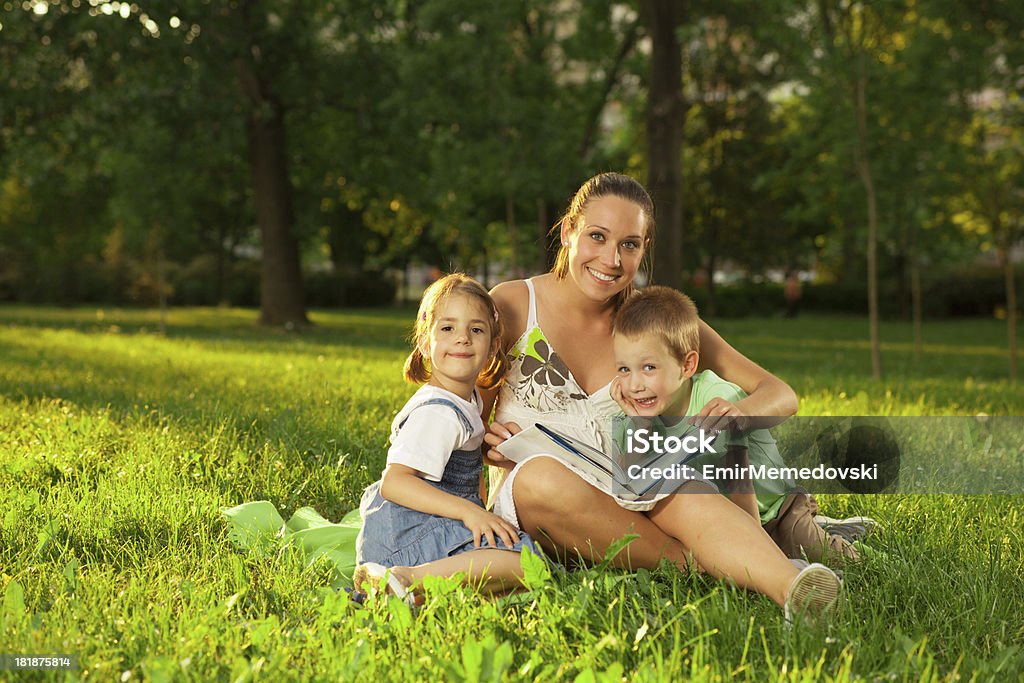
<point x="761" y="447"/>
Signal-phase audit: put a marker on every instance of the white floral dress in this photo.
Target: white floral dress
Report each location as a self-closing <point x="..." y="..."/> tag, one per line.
<point x="540" y="388"/>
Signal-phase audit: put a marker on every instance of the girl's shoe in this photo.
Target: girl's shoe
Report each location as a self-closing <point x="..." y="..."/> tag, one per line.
<point x="813" y="595"/>
<point x="373" y="578"/>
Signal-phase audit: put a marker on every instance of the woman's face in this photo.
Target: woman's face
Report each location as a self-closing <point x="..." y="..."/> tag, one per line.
<point x="605" y="246"/>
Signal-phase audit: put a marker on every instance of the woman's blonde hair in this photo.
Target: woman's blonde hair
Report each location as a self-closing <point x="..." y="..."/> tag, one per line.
<point x="417" y="367"/>
<point x="606" y="185"/>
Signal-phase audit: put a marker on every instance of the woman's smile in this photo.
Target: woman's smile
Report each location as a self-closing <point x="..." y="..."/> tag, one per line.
<point x="602" y="277"/>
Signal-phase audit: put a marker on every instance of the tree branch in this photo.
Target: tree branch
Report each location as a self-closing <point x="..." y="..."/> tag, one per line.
<point x="611" y="78"/>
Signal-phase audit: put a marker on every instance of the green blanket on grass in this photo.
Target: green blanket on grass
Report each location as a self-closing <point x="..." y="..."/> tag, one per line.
<point x="258" y="526"/>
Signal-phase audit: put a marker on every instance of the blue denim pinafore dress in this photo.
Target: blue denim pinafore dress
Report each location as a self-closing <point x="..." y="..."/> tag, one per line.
<point x="397" y="536"/>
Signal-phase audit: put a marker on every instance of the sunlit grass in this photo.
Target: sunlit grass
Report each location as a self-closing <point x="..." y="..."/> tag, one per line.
<point x="120" y="442"/>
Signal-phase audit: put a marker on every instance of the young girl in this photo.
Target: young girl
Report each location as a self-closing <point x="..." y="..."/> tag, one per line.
<point x="425" y="516"/>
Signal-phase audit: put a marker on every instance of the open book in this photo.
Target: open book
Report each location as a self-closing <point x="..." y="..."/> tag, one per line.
<point x="632" y="477"/>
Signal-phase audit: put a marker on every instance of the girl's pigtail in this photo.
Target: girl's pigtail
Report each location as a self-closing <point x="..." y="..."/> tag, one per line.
<point x="415" y="369"/>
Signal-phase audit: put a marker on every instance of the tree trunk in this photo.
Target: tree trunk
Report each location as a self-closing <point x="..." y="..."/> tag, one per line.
<point x="281" y="293"/>
<point x="915" y="296"/>
<point x="546" y="253"/>
<point x="610" y="80"/>
<point x="1011" y="310"/>
<point x="218" y="293"/>
<point x="864" y="169"/>
<point x="664" y="137"/>
<point x="513" y="237"/>
<point x="161" y="285"/>
<point x="711" y="310"/>
<point x="485" y="265"/>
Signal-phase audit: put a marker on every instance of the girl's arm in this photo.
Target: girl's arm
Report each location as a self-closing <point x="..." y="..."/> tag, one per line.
<point x="767" y="394"/>
<point x="404" y="486"/>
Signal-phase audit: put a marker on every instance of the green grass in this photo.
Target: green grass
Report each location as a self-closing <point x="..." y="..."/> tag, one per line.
<point x="119" y="445"/>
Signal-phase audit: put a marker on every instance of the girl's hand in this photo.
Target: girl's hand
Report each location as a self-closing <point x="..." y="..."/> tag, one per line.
<point x="483" y="523"/>
<point x="718" y="415"/>
<point x="625" y="404"/>
<point x="498" y="434"/>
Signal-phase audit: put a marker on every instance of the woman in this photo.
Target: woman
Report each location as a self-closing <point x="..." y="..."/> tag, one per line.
<point x="605" y="233"/>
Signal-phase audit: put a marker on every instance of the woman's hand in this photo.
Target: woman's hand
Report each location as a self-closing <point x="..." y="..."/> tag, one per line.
<point x="497" y="435"/>
<point x="483" y="523"/>
<point x="627" y="406"/>
<point x="718" y="415"/>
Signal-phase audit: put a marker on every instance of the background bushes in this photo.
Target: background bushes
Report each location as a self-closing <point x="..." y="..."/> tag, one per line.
<point x="978" y="292"/>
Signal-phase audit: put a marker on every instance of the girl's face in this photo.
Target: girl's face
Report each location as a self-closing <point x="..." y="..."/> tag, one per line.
<point x="605" y="246"/>
<point x="460" y="343"/>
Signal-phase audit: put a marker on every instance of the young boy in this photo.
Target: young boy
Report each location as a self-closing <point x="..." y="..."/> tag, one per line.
<point x="656" y="343"/>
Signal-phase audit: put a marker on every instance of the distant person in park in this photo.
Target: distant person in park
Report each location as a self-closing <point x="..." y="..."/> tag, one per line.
<point x="425" y="516"/>
<point x="791" y="292"/>
<point x="656" y="340"/>
<point x="605" y="233"/>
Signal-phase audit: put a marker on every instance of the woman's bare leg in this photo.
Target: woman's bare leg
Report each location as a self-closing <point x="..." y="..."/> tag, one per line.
<point x="493" y="571"/>
<point x="725" y="540"/>
<point x="564" y="513"/>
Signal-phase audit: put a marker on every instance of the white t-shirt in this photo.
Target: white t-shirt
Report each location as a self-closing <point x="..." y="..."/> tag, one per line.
<point x="432" y="432"/>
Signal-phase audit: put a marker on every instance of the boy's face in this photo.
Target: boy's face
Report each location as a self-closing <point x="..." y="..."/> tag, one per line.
<point x="652" y="379"/>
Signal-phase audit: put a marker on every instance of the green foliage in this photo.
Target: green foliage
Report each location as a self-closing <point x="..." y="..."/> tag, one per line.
<point x="350" y="290"/>
<point x="945" y="294"/>
<point x="451" y="132"/>
<point x="119" y="446"/>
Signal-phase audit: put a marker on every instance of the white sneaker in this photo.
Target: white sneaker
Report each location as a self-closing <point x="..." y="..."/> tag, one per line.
<point x="373" y="578"/>
<point x="813" y="595"/>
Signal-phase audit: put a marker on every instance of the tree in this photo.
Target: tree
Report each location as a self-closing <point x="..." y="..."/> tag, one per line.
<point x="734" y="211"/>
<point x="992" y="205"/>
<point x="664" y="135"/>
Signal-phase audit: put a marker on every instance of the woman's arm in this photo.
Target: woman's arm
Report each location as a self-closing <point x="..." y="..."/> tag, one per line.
<point x="512" y="300"/>
<point x="741" y="489"/>
<point x="403" y="486"/>
<point x="768" y="396"/>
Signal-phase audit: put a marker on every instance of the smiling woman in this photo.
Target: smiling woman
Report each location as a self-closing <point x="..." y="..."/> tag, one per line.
<point x="605" y="234"/>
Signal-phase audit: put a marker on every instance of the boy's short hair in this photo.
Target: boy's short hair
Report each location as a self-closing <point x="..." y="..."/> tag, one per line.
<point x="665" y="312"/>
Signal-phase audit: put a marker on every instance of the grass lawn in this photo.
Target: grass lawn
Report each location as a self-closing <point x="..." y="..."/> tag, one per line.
<point x="119" y="446"/>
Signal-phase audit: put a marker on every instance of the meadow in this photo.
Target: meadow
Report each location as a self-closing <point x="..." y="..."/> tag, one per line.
<point x="120" y="443"/>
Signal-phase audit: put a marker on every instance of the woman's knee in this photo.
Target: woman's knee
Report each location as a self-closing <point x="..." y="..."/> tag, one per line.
<point x="545" y="484"/>
<point x="692" y="500"/>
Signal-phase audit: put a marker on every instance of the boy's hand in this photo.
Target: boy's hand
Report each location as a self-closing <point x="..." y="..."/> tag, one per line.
<point x="718" y="415"/>
<point x="625" y="404"/>
<point x="496" y="435"/>
<point x="483" y="523"/>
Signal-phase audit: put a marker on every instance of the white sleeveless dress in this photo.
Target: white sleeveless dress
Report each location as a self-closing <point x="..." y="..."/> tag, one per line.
<point x="540" y="388"/>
